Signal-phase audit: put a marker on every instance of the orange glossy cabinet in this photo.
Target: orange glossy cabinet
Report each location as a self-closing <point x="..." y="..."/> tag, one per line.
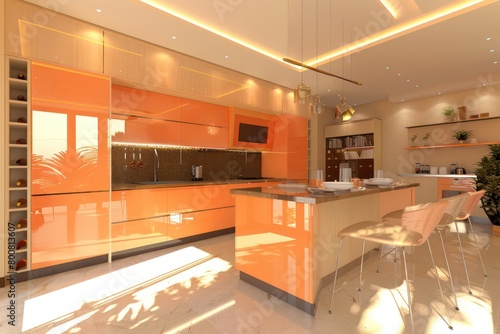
<point x="68" y="227"/>
<point x="131" y="129"/>
<point x="198" y="112"/>
<point x="140" y="116"/>
<point x="288" y="158"/>
<point x="137" y="204"/>
<point x="70" y="111"/>
<point x="208" y="136"/>
<point x="143" y="217"/>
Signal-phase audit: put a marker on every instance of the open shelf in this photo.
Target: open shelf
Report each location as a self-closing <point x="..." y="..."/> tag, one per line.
<point x="453" y="122"/>
<point x="17" y="127"/>
<point x="450" y="145"/>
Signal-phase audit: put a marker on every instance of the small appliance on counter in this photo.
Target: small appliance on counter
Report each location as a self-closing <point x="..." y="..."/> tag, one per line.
<point x="196" y="173"/>
<point x="460" y="170"/>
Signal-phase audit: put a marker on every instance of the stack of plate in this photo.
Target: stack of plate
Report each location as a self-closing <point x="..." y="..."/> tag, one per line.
<point x="380" y="181"/>
<point x="337" y="185"/>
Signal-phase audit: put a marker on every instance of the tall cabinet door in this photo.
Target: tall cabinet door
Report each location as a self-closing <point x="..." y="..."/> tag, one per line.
<point x="70" y="163"/>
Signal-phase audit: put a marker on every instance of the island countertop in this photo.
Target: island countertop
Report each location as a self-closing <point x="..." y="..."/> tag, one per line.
<point x="316" y="196"/>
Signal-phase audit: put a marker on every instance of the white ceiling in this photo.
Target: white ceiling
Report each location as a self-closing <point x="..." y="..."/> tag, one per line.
<point x="446" y="55"/>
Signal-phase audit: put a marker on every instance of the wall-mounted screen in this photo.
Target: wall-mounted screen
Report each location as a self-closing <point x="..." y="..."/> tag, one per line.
<point x="251" y="133"/>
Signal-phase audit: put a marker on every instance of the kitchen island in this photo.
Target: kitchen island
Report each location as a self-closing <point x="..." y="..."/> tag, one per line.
<point x="286" y="238"/>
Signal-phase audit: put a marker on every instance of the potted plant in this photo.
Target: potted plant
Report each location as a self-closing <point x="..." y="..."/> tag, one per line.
<point x="488" y="178"/>
<point x="461" y="135"/>
<point x="449" y="113"/>
<point x="426" y="137"/>
<point x="414" y="139"/>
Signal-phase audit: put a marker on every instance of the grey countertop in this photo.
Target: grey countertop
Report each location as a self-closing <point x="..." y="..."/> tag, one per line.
<point x="177" y="184"/>
<point x="315" y="197"/>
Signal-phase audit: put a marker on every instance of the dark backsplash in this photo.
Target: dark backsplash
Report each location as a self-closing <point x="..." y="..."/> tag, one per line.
<point x="175" y="164"/>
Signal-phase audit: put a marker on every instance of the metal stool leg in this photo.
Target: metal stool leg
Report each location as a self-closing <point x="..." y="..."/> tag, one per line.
<point x="408" y="289"/>
<point x="477" y="247"/>
<point x="440" y="289"/>
<point x="449" y="271"/>
<point x="335" y="279"/>
<point x="361" y="268"/>
<point x="463" y="258"/>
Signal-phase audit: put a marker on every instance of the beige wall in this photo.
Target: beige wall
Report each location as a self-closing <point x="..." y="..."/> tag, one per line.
<point x="397" y="116"/>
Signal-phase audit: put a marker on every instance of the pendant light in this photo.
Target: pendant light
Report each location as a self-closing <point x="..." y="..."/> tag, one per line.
<point x="343" y="110"/>
<point x="317" y="106"/>
<point x="302" y="92"/>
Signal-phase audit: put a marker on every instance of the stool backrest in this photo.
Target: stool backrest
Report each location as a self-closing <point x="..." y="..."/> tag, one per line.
<point x="471" y="204"/>
<point x="455" y="206"/>
<point x="423" y="218"/>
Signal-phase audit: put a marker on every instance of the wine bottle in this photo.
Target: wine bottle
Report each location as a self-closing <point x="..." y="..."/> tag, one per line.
<point x="22" y="223"/>
<point x="21" y="264"/>
<point x="21" y="141"/>
<point x="21" y="162"/>
<point x="22" y="244"/>
<point x="21" y="76"/>
<point x="22" y="183"/>
<point x="21" y="202"/>
<point x="20" y="97"/>
<point x="22" y="120"/>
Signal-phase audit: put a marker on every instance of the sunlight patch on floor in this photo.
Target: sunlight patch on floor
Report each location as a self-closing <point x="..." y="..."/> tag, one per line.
<point x="155" y="275"/>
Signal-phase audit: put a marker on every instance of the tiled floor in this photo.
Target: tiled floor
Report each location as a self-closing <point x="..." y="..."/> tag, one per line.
<point x="196" y="289"/>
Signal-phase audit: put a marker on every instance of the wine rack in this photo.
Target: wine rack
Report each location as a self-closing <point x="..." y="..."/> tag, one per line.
<point x="18" y="157"/>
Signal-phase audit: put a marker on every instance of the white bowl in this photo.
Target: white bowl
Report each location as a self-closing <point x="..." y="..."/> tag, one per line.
<point x="337" y="185"/>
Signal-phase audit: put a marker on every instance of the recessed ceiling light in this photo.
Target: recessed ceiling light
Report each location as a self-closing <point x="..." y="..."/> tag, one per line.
<point x="399" y="74"/>
<point x="495" y="62"/>
<point x="226" y="57"/>
<point x="98" y="10"/>
<point x="416" y="86"/>
<point x="407" y="80"/>
<point x="174" y="37"/>
<point x="439" y="93"/>
<point x="488" y="38"/>
<point x="492" y="50"/>
<point x="387" y="68"/>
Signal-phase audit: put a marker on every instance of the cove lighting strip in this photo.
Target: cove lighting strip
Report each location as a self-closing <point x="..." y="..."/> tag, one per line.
<point x="423" y="21"/>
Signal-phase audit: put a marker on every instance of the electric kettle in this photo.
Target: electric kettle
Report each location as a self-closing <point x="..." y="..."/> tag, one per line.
<point x="196" y="172"/>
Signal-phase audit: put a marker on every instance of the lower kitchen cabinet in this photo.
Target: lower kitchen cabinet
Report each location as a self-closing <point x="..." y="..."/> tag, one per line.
<point x="138" y="233"/>
<point x="182" y="225"/>
<point x="69" y="227"/>
<point x="218" y="219"/>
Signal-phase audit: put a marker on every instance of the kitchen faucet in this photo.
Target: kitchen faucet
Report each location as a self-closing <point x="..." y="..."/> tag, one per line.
<point x="156" y="166"/>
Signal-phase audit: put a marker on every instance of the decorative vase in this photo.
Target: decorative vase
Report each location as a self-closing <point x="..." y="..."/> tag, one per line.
<point x="496" y="230"/>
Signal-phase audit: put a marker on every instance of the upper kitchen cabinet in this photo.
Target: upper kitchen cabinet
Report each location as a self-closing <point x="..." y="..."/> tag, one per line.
<point x="198" y="112"/>
<point x="204" y="124"/>
<point x="70" y="111"/>
<point x="139" y="102"/>
<point x="289" y="156"/>
<point x="43" y="35"/>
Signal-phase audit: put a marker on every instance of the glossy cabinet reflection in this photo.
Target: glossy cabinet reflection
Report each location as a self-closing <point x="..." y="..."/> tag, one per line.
<point x="70" y="111"/>
<point x="143" y="217"/>
<point x="70" y="165"/>
<point x="68" y="227"/>
<point x="140" y="116"/>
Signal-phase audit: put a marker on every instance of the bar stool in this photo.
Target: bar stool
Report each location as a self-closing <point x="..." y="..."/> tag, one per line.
<point x="455" y="206"/>
<point x="467" y="210"/>
<point x="417" y="224"/>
